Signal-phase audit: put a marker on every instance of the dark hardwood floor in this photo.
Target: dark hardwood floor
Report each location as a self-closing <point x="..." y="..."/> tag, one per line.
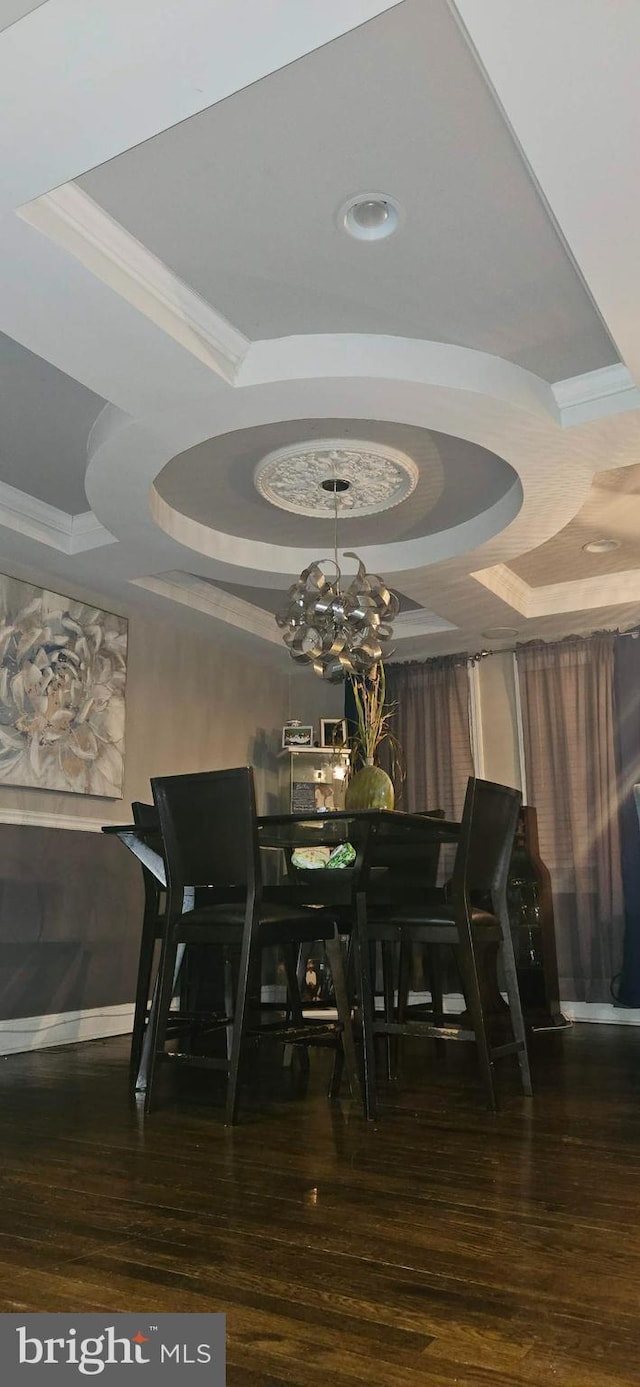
<point x="443" y="1246"/>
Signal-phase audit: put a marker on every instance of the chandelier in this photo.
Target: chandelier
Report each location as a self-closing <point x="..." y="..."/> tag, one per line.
<point x="339" y="627"/>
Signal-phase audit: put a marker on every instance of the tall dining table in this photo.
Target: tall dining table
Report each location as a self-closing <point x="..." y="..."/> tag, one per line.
<point x="375" y="834"/>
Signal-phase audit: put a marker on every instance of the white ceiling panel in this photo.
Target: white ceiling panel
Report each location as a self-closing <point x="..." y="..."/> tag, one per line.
<point x="45" y="419"/>
<point x="13" y="10"/>
<point x="241" y="202"/>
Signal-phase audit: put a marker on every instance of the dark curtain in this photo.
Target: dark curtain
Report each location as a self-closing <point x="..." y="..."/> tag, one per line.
<point x="627" y="690"/>
<point x="570" y="744"/>
<point x="431" y="722"/>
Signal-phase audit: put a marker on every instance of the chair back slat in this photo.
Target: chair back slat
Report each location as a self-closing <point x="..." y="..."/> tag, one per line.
<point x="145" y="815"/>
<point x="208" y="823"/>
<point x="395" y="865"/>
<point x="486" y="839"/>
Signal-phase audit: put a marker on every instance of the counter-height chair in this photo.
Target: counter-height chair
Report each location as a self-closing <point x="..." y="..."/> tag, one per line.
<point x="395" y="871"/>
<point x="470" y="916"/>
<point x="210" y="835"/>
<point x="145" y="816"/>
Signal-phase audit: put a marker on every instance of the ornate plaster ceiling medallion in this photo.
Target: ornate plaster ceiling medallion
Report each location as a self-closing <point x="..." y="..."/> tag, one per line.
<point x="378" y="477"/>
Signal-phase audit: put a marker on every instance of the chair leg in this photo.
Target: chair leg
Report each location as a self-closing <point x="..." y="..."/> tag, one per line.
<point x="404" y="979"/>
<point x="435" y="974"/>
<point x="367" y="1003"/>
<point x="388" y="960"/>
<point x="405" y="968"/>
<point x="343" y="1006"/>
<point x="471" y="986"/>
<point x="229" y="998"/>
<point x="515" y="1007"/>
<point x="436" y="988"/>
<point x="165" y="985"/>
<point x="240" y="1027"/>
<point x="143" y="991"/>
<point x="350" y="982"/>
<point x="295" y="1000"/>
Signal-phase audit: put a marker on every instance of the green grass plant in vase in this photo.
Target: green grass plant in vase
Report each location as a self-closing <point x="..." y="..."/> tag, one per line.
<point x="371" y="787"/>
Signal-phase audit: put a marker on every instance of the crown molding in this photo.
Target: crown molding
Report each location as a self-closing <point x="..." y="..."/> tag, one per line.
<point x="72" y="219"/>
<point x="586" y="594"/>
<point x="203" y="596"/>
<point x="71" y="534"/>
<point x="555" y="599"/>
<point x="505" y="584"/>
<point x="420" y="622"/>
<point x="610" y="390"/>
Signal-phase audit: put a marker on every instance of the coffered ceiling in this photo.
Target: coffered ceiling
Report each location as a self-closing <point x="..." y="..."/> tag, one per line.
<point x="179" y="298"/>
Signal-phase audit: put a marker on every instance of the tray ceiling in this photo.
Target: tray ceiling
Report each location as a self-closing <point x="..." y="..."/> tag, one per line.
<point x="240" y="201"/>
<point x="177" y="299"/>
<point x="612" y="511"/>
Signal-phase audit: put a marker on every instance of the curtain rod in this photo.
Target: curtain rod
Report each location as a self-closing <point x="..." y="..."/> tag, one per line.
<point x="464" y="658"/>
<point x="634" y="632"/>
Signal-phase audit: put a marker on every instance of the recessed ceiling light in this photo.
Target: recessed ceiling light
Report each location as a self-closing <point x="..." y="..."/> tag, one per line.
<point x="601" y="546"/>
<point x="500" y="632"/>
<point x="369" y="216"/>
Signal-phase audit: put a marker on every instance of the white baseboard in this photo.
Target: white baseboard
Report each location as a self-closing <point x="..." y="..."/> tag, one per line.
<point x="602" y="1013"/>
<point x="66" y="1028"/>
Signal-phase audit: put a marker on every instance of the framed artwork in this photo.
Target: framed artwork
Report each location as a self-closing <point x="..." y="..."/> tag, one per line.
<point x="63" y="668"/>
<point x="333" y="732"/>
<point x="297" y="736"/>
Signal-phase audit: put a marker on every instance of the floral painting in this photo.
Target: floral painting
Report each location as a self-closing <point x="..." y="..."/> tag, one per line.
<point x="62" y="681"/>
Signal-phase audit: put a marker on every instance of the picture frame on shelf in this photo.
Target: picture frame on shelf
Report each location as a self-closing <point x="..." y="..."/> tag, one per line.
<point x="295" y="737"/>
<point x="333" y="733"/>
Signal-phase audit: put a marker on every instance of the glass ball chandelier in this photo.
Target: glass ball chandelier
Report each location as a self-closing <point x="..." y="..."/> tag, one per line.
<point x="339" y="627"/>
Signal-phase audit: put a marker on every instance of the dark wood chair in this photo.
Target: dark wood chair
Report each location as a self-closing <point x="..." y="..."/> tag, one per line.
<point x="209" y="830"/>
<point x="472" y="918"/>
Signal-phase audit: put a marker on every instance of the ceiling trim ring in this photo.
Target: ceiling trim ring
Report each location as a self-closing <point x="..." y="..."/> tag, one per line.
<point x="454" y="390"/>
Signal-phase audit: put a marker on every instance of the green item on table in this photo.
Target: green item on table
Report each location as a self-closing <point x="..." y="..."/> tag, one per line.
<point x="342" y="856"/>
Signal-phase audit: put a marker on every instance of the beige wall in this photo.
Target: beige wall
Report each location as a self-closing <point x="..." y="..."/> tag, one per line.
<point x="312" y="698"/>
<point x="198" y="700"/>
<point x="498" y="719"/>
<point x="193" y="702"/>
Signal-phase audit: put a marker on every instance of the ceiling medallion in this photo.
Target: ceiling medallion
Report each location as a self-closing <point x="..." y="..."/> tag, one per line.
<point x="378" y="477"/>
<point x="337" y="629"/>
